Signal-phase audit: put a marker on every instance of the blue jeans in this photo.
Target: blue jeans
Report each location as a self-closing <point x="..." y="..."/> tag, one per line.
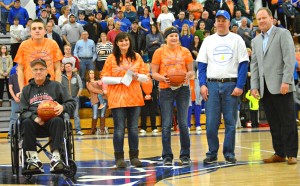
<point x="221" y="101"/>
<point x="85" y="64"/>
<point x="4" y="16"/>
<point x="99" y="112"/>
<point x="15" y="107"/>
<point x="119" y="116"/>
<point x="167" y="98"/>
<point x="76" y="115"/>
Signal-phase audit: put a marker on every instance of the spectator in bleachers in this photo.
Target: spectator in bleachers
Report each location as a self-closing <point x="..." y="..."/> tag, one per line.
<point x="44" y="16"/>
<point x="111" y="35"/>
<point x="185" y="37"/>
<point x="45" y="2"/>
<point x="173" y="9"/>
<point x="247" y="8"/>
<point x="191" y="20"/>
<point x="103" y="49"/>
<point x="129" y="14"/>
<point x="38" y="47"/>
<point x="238" y="19"/>
<point x="48" y="8"/>
<point x="54" y="12"/>
<point x="178" y="23"/>
<point x="25" y="34"/>
<point x="277" y="22"/>
<point x="165" y="19"/>
<point x="5" y="6"/>
<point x="93" y="28"/>
<point x="138" y="38"/>
<point x="245" y="32"/>
<point x="69" y="58"/>
<point x="39" y="8"/>
<point x="125" y="23"/>
<point x="58" y="4"/>
<point x="85" y="50"/>
<point x="212" y="6"/>
<point x="100" y="8"/>
<point x="194" y="27"/>
<point x="181" y="4"/>
<point x="234" y="28"/>
<point x="209" y="23"/>
<point x="18" y="12"/>
<point x="71" y="32"/>
<point x="73" y="7"/>
<point x="195" y="8"/>
<point x="81" y="19"/>
<point x="280" y="14"/>
<point x="50" y="34"/>
<point x="15" y="39"/>
<point x="103" y="23"/>
<point x="200" y="32"/>
<point x="230" y="7"/>
<point x="110" y="24"/>
<point x="132" y="8"/>
<point x="290" y="13"/>
<point x="63" y="19"/>
<point x="153" y="41"/>
<point x="195" y="47"/>
<point x="145" y="21"/>
<point x="6" y="63"/>
<point x="141" y="9"/>
<point x="56" y="28"/>
<point x="14" y="89"/>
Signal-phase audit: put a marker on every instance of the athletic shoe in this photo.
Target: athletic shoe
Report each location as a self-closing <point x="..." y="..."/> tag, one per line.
<point x="167" y="161"/>
<point x="210" y="160"/>
<point x="34" y="164"/>
<point x="56" y="165"/>
<point x="80" y="133"/>
<point x="185" y="160"/>
<point x="155" y="131"/>
<point x="230" y="160"/>
<point x="198" y="129"/>
<point x="142" y="131"/>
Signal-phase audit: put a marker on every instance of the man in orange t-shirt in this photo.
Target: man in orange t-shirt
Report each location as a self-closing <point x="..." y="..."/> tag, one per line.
<point x="195" y="8"/>
<point x="38" y="47"/>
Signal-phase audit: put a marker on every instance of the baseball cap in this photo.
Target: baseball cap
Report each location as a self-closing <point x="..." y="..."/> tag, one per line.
<point x="38" y="61"/>
<point x="71" y="15"/>
<point x="223" y="13"/>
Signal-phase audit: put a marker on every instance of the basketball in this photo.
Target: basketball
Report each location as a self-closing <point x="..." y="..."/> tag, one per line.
<point x="45" y="110"/>
<point x="176" y="77"/>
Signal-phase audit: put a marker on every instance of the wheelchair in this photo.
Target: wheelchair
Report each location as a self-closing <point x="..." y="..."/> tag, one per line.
<point x="67" y="152"/>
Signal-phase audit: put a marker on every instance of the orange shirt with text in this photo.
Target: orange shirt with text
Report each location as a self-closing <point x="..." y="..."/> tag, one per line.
<point x="28" y="51"/>
<point x="120" y="95"/>
<point x="167" y="59"/>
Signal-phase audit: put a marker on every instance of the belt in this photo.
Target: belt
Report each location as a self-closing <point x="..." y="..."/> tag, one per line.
<point x="85" y="57"/>
<point x="222" y="80"/>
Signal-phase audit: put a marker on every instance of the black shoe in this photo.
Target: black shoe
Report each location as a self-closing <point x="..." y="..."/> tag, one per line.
<point x="210" y="160"/>
<point x="167" y="161"/>
<point x="230" y="160"/>
<point x="185" y="160"/>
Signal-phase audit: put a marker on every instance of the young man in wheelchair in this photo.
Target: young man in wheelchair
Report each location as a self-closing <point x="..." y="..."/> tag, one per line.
<point x="42" y="88"/>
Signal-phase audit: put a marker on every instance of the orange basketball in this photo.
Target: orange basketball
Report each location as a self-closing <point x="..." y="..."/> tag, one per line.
<point x="176" y="77"/>
<point x="45" y="110"/>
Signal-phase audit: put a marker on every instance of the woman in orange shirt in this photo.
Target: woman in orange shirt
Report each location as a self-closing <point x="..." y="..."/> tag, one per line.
<point x="123" y="71"/>
<point x="169" y="57"/>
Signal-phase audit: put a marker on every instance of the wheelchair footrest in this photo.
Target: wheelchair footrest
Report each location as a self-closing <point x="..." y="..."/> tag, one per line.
<point x="32" y="172"/>
<point x="62" y="171"/>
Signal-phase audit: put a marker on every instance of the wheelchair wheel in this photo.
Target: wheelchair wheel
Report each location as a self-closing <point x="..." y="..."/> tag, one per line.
<point x="14" y="148"/>
<point x="71" y="147"/>
<point x="72" y="169"/>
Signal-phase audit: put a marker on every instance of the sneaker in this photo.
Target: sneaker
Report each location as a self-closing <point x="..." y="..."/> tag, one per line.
<point x="155" y="131"/>
<point x="167" y="161"/>
<point x="142" y="131"/>
<point x="230" y="160"/>
<point x="198" y="129"/>
<point x="56" y="165"/>
<point x="80" y="133"/>
<point x="34" y="164"/>
<point x="210" y="160"/>
<point x="185" y="160"/>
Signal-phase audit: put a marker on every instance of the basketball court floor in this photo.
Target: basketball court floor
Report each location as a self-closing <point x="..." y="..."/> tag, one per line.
<point x="95" y="162"/>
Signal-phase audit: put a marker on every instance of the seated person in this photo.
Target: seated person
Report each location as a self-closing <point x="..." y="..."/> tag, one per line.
<point x="42" y="88"/>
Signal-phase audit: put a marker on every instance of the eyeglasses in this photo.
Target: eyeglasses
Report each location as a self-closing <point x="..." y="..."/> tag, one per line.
<point x="35" y="70"/>
<point x="39" y="28"/>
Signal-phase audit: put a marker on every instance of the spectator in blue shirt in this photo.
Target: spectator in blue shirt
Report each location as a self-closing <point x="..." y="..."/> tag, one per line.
<point x="125" y="23"/>
<point x="128" y="13"/>
<point x="58" y="4"/>
<point x="180" y="21"/>
<point x="18" y="12"/>
<point x="5" y="7"/>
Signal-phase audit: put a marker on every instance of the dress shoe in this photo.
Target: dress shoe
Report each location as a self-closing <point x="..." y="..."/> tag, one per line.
<point x="292" y="160"/>
<point x="274" y="159"/>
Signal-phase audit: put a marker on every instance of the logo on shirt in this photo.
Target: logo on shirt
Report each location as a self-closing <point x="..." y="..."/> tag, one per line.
<point x="222" y="55"/>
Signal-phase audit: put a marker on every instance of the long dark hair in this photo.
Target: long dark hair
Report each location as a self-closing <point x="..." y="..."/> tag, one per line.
<point x="116" y="50"/>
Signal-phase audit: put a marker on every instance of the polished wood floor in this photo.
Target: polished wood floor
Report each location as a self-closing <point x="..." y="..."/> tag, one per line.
<point x="95" y="160"/>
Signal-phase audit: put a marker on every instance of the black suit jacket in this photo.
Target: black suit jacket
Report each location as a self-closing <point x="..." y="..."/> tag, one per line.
<point x="58" y="40"/>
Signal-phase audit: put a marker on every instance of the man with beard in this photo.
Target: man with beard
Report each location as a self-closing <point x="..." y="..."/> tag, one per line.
<point x="93" y="28"/>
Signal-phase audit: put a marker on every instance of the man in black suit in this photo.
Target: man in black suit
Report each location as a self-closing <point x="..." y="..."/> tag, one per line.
<point x="93" y="28"/>
<point x="53" y="35"/>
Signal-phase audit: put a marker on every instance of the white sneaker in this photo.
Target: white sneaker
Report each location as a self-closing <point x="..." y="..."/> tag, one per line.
<point x="198" y="129"/>
<point x="142" y="131"/>
<point x="56" y="164"/>
<point x="155" y="131"/>
<point x="80" y="133"/>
